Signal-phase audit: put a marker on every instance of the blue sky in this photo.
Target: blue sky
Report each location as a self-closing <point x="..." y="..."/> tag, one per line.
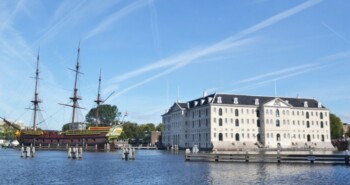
<point x="153" y="52"/>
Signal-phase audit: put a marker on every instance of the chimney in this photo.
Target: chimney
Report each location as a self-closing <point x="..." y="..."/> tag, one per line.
<point x="205" y="93"/>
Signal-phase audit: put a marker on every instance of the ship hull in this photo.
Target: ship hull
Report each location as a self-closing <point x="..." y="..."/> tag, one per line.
<point x="55" y="140"/>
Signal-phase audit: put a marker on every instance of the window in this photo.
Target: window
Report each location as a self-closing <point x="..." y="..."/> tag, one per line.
<point x="321" y="115"/>
<point x="206" y="112"/>
<point x="214" y="135"/>
<point x="267" y="135"/>
<point x="277" y="113"/>
<point x="242" y="121"/>
<point x="307" y="115"/>
<point x="220" y="111"/>
<point x="258" y="123"/>
<point x="256" y="101"/>
<point x="321" y="124"/>
<point x="322" y="138"/>
<point x="220" y="122"/>
<point x="225" y="120"/>
<point x="258" y="137"/>
<point x="220" y="137"/>
<point x="237" y="137"/>
<point x="219" y="99"/>
<point x="267" y="121"/>
<point x="237" y="122"/>
<point x="236" y="112"/>
<point x="308" y="124"/>
<point x="308" y="138"/>
<point x="277" y="123"/>
<point x="278" y="137"/>
<point x="235" y="100"/>
<point x="257" y="113"/>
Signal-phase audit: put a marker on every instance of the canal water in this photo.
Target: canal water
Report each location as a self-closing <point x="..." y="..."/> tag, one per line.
<point x="156" y="167"/>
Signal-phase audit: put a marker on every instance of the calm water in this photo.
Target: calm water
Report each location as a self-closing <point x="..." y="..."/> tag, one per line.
<point x="156" y="167"/>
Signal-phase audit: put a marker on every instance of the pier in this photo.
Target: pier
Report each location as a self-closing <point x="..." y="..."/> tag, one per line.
<point x="270" y="158"/>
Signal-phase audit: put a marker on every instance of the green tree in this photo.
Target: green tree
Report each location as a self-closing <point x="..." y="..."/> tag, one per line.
<point x="108" y="115"/>
<point x="336" y="127"/>
<point x="159" y="127"/>
<point x="65" y="127"/>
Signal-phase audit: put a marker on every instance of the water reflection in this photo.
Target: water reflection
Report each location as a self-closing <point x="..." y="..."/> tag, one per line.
<point x="157" y="167"/>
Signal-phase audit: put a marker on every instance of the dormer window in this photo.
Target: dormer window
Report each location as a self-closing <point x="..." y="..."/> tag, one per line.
<point x="305" y="104"/>
<point x="235" y="100"/>
<point x="195" y="103"/>
<point x="202" y="101"/>
<point x="287" y="101"/>
<point x="219" y="99"/>
<point x="209" y="99"/>
<point x="319" y="105"/>
<point x="256" y="101"/>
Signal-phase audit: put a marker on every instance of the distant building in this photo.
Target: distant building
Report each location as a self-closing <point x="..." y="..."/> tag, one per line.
<point x="155" y="137"/>
<point x="230" y="122"/>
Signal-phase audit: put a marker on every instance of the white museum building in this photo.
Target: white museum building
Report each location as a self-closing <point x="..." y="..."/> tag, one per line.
<point x="231" y="122"/>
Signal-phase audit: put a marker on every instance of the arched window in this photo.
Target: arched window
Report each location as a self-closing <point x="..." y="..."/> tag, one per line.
<point x="277" y="113"/>
<point x="308" y="124"/>
<point x="277" y="123"/>
<point x="308" y="138"/>
<point x="237" y="137"/>
<point x="258" y="122"/>
<point x="237" y="122"/>
<point x="220" y="122"/>
<point x="307" y="115"/>
<point x="322" y="138"/>
<point x="258" y="137"/>
<point x="236" y="112"/>
<point x="220" y="112"/>
<point x="321" y="115"/>
<point x="278" y="137"/>
<point x="220" y="137"/>
<point x="321" y="124"/>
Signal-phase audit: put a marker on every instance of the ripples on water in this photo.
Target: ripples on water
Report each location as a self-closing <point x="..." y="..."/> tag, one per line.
<point x="157" y="167"/>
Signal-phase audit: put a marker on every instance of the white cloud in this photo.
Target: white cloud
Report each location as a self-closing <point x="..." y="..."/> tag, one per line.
<point x="108" y="22"/>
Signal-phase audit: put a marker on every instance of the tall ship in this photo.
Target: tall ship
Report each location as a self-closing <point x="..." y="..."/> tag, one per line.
<point x="93" y="138"/>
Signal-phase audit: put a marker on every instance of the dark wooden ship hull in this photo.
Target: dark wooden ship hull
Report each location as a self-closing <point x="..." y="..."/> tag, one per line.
<point x="89" y="140"/>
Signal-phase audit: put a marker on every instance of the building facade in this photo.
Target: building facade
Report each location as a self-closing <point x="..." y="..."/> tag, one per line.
<point x="230" y="122"/>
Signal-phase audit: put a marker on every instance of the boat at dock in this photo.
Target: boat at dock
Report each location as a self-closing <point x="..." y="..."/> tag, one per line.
<point x="93" y="138"/>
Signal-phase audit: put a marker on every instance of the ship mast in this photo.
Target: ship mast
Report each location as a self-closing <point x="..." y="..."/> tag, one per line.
<point x="98" y="101"/>
<point x="36" y="100"/>
<point x="75" y="97"/>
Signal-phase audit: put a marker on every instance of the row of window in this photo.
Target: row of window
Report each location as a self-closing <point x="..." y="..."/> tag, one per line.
<point x="278" y="136"/>
<point x="278" y="123"/>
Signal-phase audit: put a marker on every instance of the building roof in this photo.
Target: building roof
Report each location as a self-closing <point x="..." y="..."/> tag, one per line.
<point x="245" y="100"/>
